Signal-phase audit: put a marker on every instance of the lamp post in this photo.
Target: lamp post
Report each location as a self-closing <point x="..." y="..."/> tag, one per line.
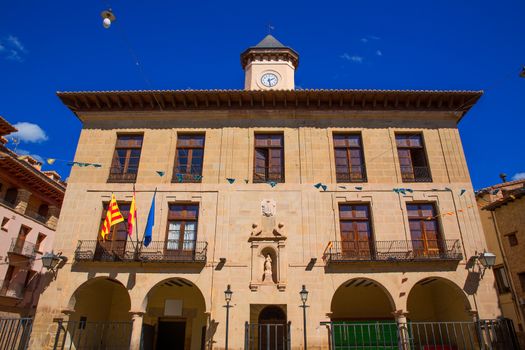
<point x="51" y="260"/>
<point x="228" y="297"/>
<point x="304" y="297"/>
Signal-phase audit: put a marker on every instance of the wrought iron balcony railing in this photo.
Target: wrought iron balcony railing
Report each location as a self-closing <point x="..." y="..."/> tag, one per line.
<point x="392" y="251"/>
<point x="357" y="174"/>
<point x="116" y="175"/>
<point x="127" y="251"/>
<point x="265" y="174"/>
<point x="416" y="174"/>
<point x="21" y="247"/>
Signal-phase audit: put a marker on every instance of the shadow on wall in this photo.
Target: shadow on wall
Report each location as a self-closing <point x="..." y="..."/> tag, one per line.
<point x="472" y="282"/>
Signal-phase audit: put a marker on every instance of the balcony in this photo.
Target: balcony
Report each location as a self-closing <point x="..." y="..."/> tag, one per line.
<point x="416" y="174"/>
<point x="116" y="175"/>
<point x="7" y="203"/>
<point x="36" y="216"/>
<point x="21" y="248"/>
<point x="155" y="252"/>
<point x="392" y="251"/>
<point x="12" y="289"/>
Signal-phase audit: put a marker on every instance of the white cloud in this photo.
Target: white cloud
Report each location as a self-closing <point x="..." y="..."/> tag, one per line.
<point x="23" y="152"/>
<point x="29" y="132"/>
<point x="379" y="53"/>
<point x="12" y="49"/>
<point x="364" y="40"/>
<point x="518" y="176"/>
<point x="16" y="43"/>
<point x="368" y="38"/>
<point x="352" y="58"/>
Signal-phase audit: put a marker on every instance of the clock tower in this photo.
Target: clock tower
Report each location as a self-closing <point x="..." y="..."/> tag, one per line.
<point x="269" y="65"/>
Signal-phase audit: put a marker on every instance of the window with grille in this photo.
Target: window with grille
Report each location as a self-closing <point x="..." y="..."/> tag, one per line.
<point x="412" y="158"/>
<point x="126" y="158"/>
<point x="349" y="158"/>
<point x="189" y="157"/>
<point x="269" y="158"/>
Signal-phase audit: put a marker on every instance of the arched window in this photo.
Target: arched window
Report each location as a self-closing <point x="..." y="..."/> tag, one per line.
<point x="43" y="210"/>
<point x="10" y="195"/>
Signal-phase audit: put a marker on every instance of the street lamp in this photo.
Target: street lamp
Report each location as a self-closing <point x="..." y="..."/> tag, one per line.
<point x="228" y="297"/>
<point x="51" y="260"/>
<point x="487" y="261"/>
<point x="304" y="297"/>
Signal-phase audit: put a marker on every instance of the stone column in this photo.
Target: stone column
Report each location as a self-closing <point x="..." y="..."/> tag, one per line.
<point x="53" y="213"/>
<point x="136" y="330"/>
<point x="22" y="199"/>
<point x="402" y="326"/>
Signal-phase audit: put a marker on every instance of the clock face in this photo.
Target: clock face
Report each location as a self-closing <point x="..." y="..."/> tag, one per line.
<point x="269" y="80"/>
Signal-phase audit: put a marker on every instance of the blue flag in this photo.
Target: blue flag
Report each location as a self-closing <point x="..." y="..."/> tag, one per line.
<point x="151" y="221"/>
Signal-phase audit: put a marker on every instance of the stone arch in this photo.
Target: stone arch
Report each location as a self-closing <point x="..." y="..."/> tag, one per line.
<point x="362" y="299"/>
<point x="174" y="306"/>
<point x="437" y="299"/>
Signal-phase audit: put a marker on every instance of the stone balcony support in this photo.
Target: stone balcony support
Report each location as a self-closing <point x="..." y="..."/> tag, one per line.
<point x="53" y="214"/>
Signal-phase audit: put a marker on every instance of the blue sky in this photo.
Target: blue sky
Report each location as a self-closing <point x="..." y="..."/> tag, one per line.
<point x="61" y="45"/>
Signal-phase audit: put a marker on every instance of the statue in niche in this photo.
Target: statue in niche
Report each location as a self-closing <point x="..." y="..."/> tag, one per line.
<point x="268" y="207"/>
<point x="268" y="269"/>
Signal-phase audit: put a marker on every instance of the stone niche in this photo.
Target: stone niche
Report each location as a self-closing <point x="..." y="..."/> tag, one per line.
<point x="268" y="250"/>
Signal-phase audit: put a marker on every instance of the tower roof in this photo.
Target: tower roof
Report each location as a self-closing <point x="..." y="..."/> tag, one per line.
<point x="269" y="42"/>
<point x="269" y="47"/>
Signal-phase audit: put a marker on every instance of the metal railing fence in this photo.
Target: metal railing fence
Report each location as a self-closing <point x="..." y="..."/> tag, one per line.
<point x="416" y="174"/>
<point x="127" y="251"/>
<point x="15" y="333"/>
<point x="267" y="336"/>
<point x="388" y="335"/>
<point x="22" y="247"/>
<point x="351" y="251"/>
<point x="82" y="335"/>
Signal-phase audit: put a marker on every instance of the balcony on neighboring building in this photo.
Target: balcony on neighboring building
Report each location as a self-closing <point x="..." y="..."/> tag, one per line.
<point x="155" y="252"/>
<point x="38" y="217"/>
<point x="393" y="251"/>
<point x="21" y="251"/>
<point x="8" y="203"/>
<point x="416" y="174"/>
<point x="12" y="289"/>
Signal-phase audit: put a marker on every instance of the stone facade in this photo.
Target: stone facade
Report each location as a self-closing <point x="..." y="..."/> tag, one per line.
<point x="244" y="223"/>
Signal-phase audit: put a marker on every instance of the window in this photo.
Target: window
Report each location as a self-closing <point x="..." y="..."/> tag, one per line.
<point x="424" y="229"/>
<point x="116" y="240"/>
<point x="502" y="283"/>
<point x="412" y="158"/>
<point x="5" y="222"/>
<point x="521" y="276"/>
<point x="182" y="227"/>
<point x="356" y="235"/>
<point x="513" y="239"/>
<point x="269" y="158"/>
<point x="118" y="232"/>
<point x="189" y="156"/>
<point x="39" y="241"/>
<point x="349" y="159"/>
<point x="10" y="196"/>
<point x="125" y="163"/>
<point x="43" y="210"/>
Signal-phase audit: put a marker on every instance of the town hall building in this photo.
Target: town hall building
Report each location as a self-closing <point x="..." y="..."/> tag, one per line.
<point x="359" y="199"/>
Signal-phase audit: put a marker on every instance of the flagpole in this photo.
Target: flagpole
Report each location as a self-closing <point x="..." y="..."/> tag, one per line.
<point x="142" y="240"/>
<point x="136" y="218"/>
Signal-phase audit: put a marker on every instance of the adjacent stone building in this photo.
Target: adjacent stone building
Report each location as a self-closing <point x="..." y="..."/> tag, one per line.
<point x="362" y="196"/>
<point x="502" y="212"/>
<point x="30" y="201"/>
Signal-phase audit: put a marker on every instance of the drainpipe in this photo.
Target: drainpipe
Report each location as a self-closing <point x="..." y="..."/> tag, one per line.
<point x="506" y="264"/>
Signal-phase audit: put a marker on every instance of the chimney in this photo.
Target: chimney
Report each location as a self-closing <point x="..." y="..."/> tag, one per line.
<point x="503" y="177"/>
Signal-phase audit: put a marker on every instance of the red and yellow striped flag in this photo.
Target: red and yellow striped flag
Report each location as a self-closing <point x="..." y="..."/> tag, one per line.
<point x="132" y="217"/>
<point x="113" y="217"/>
